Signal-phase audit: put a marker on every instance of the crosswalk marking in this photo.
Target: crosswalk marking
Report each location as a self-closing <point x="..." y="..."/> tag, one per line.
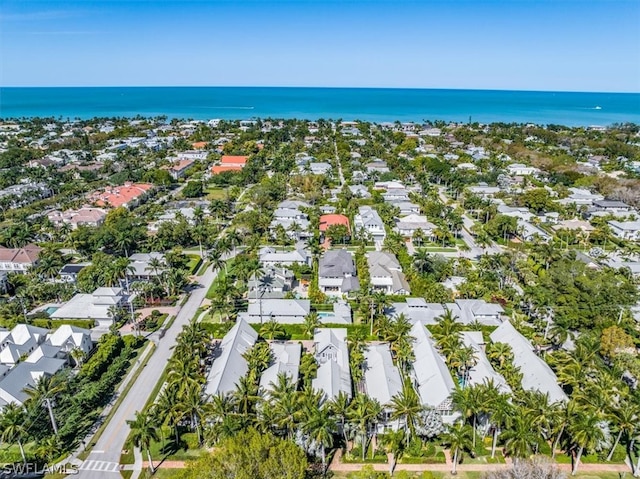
<point x="104" y="466"/>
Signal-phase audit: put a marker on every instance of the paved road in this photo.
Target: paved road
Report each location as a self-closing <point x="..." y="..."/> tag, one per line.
<point x="106" y="453"/>
<point x="476" y="251"/>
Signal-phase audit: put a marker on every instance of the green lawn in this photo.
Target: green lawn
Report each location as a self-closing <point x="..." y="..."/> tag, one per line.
<point x="194" y="262"/>
<point x="215" y="193"/>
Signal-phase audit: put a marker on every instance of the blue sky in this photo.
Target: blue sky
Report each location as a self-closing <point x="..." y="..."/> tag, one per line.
<point x="562" y="45"/>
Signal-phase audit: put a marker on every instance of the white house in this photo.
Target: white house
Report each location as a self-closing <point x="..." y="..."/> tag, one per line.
<point x="337" y="273"/>
<point x="99" y="306"/>
<point x="286" y="361"/>
<point x="626" y="230"/>
<point x="519" y="169"/>
<point x="408" y="225"/>
<point x="386" y="273"/>
<point x="430" y="375"/>
<point x="368" y="220"/>
<point x="536" y="373"/>
<point x="382" y="381"/>
<point x="230" y="365"/>
<point x="332" y="355"/>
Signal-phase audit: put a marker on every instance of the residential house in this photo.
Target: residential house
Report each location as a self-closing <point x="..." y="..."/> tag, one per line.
<point x="430" y="375"/>
<point x="382" y="382"/>
<point x="332" y="355"/>
<point x="337" y="273"/>
<point x="530" y="232"/>
<point x="519" y="169"/>
<point x="286" y="361"/>
<point x="269" y="256"/>
<point x="229" y="364"/>
<point x="85" y="216"/>
<point x="69" y="272"/>
<point x="408" y="225"/>
<point x="368" y="221"/>
<point x="392" y="195"/>
<point x="326" y="221"/>
<point x="230" y="163"/>
<point x="282" y="311"/>
<point x="482" y="371"/>
<point x="99" y="306"/>
<point x="27" y="353"/>
<point x="580" y="196"/>
<point x="626" y="230"/>
<point x="127" y="195"/>
<point x="289" y="216"/>
<point x="465" y="311"/>
<point x="360" y="191"/>
<point x="178" y="169"/>
<point x="612" y="206"/>
<point x="274" y="283"/>
<point x="536" y="373"/>
<point x="377" y="167"/>
<point x="319" y="168"/>
<point x="406" y="207"/>
<point x="386" y="273"/>
<point x="19" y="260"/>
<point x="141" y="269"/>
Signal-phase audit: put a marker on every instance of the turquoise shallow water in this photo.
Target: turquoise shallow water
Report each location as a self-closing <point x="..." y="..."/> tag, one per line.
<point x="375" y="104"/>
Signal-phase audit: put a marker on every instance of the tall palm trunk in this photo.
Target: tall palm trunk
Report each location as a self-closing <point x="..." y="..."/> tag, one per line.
<point x="615" y="444"/>
<point x="577" y="461"/>
<point x="24" y="457"/>
<point x="153" y="469"/>
<point x="495" y="441"/>
<point x="455" y="462"/>
<point x="556" y="442"/>
<point x="474" y="432"/>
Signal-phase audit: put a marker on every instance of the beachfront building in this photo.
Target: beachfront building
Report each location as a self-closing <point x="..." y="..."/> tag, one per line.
<point x="536" y="373"/>
<point x="229" y="365"/>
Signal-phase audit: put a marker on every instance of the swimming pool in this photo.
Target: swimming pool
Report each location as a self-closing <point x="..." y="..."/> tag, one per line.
<point x="51" y="309"/>
<point x="326" y="314"/>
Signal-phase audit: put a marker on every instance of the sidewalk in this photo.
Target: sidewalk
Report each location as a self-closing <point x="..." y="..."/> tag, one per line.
<point x="73" y="458"/>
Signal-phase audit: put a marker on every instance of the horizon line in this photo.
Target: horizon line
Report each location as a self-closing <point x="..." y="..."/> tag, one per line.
<point x="324" y="87"/>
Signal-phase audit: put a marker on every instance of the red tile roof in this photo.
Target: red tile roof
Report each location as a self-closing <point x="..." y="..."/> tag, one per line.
<point x="27" y="255"/>
<point x="234" y="160"/>
<point x="328" y="220"/>
<point x="120" y="195"/>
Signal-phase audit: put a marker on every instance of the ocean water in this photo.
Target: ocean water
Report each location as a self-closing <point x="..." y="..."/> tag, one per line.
<point x="368" y="104"/>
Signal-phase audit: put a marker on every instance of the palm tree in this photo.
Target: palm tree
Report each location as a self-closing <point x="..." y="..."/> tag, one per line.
<point x="143" y="431"/>
<point x="12" y="425"/>
<point x="44" y="390"/>
<point x="626" y="417"/>
<point x="193" y="406"/>
<point x="468" y="402"/>
<point x="320" y="427"/>
<point x="519" y="438"/>
<point x="339" y="406"/>
<point x="586" y="434"/>
<point x="394" y="443"/>
<point x="361" y="414"/>
<point x="272" y="330"/>
<point x="458" y="438"/>
<point x="311" y="322"/>
<point x="406" y="406"/>
<point x="287" y="412"/>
